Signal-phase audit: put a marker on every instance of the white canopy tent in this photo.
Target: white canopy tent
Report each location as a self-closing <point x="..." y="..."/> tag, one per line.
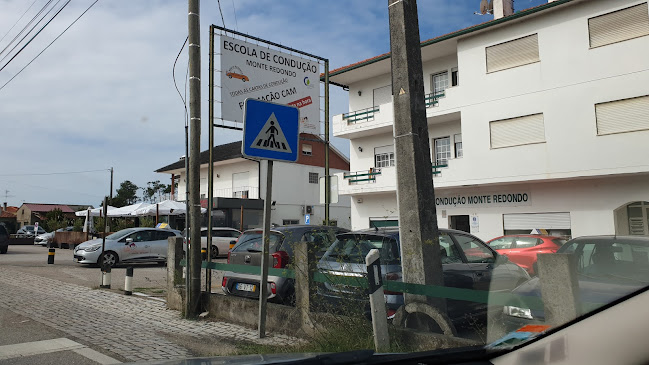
<point x="167" y="207"/>
<point x="96" y="212"/>
<point x="126" y="211"/>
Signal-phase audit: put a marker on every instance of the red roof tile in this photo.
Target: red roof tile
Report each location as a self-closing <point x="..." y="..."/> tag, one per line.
<point x="48" y="207"/>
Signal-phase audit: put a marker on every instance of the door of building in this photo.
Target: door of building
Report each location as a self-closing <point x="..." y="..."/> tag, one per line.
<point x="460" y="222"/>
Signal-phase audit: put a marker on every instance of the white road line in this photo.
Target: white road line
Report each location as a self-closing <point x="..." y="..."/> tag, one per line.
<point x="54" y="345"/>
<point x="150" y="297"/>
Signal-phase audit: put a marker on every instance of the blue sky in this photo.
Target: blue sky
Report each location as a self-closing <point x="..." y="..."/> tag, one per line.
<point x="102" y="95"/>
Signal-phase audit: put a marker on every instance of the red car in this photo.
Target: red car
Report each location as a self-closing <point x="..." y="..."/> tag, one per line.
<point x="522" y="249"/>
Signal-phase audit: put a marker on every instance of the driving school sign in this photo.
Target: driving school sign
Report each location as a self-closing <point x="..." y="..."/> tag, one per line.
<point x="254" y="71"/>
<point x="495" y="199"/>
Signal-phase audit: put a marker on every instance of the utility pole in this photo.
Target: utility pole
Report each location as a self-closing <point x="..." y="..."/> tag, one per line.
<point x="194" y="261"/>
<point x="326" y="126"/>
<point x="210" y="168"/>
<point x="419" y="235"/>
<point x="111" y="186"/>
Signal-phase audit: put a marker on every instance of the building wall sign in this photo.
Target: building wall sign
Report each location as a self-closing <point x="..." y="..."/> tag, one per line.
<point x="497" y="199"/>
<point x="255" y="71"/>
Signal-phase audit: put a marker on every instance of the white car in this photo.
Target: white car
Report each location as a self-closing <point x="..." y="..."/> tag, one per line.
<point x="46" y="238"/>
<point x="221" y="238"/>
<point x="128" y="245"/>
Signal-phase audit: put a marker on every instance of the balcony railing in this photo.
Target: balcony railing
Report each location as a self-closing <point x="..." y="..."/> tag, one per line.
<point x="436" y="169"/>
<point x="362" y="115"/>
<point x="432" y="99"/>
<point x="243" y="192"/>
<point x="362" y="176"/>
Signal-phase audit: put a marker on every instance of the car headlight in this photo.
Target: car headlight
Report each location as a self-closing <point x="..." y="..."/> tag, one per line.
<point x="519" y="312"/>
<point x="92" y="248"/>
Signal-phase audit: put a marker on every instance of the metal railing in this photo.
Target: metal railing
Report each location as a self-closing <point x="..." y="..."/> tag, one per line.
<point x="432" y="99"/>
<point x="242" y="192"/>
<point x="361" y="115"/>
<point x="437" y="171"/>
<point x="362" y="176"/>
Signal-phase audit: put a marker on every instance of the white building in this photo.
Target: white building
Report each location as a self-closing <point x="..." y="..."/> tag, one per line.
<point x="238" y="186"/>
<point x="541" y="119"/>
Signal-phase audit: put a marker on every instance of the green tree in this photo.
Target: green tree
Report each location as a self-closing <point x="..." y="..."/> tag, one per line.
<point x="155" y="191"/>
<point x="126" y="195"/>
<point x="54" y="220"/>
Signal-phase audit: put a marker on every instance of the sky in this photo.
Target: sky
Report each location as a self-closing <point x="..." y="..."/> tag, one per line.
<point x="102" y="95"/>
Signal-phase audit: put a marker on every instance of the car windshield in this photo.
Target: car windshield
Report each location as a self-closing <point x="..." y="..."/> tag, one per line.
<point x="493" y="155"/>
<point x="354" y="248"/>
<point x="121" y="234"/>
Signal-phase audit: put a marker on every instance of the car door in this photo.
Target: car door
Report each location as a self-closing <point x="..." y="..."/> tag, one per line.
<point x="221" y="238"/>
<point x="479" y="258"/>
<point x="523" y="252"/>
<point x="457" y="274"/>
<point x="140" y="246"/>
<point x="160" y="244"/>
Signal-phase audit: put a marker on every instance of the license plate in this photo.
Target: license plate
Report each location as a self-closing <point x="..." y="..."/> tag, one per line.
<point x="246" y="287"/>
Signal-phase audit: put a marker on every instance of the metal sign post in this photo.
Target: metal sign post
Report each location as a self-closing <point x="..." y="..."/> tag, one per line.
<point x="270" y="132"/>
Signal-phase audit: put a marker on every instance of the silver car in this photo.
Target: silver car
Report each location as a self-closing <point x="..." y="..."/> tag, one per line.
<point x="128" y="245"/>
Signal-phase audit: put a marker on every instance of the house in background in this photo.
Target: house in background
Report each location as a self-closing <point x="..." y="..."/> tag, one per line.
<point x="8" y="217"/>
<point x="537" y="119"/>
<point x="30" y="213"/>
<point x="238" y="186"/>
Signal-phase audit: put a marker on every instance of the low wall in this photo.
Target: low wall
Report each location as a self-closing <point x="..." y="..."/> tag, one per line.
<point x="67" y="239"/>
<point x="15" y="239"/>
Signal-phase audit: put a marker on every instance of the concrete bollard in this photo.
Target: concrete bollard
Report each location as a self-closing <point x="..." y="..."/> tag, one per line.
<point x="105" y="278"/>
<point x="128" y="281"/>
<point x="50" y="256"/>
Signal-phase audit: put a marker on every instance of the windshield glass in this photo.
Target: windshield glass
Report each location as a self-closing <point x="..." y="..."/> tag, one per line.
<point x="492" y="154"/>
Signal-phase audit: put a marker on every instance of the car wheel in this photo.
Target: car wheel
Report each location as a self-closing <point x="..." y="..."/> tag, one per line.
<point x="109" y="258"/>
<point x="3" y="250"/>
<point x="215" y="252"/>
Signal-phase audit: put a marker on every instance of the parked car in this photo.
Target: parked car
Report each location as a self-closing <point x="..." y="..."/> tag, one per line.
<point x="221" y="238"/>
<point x="248" y="249"/>
<point x="128" y="245"/>
<point x="46" y="238"/>
<point x="467" y="263"/>
<point x="522" y="249"/>
<point x="608" y="268"/>
<point x="4" y="239"/>
<point x="29" y="230"/>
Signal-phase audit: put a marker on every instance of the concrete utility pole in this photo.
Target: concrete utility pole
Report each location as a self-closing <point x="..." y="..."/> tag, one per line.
<point x="326" y="126"/>
<point x="419" y="234"/>
<point x="194" y="261"/>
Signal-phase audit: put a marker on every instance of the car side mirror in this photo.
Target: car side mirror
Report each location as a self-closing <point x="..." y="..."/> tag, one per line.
<point x="128" y="241"/>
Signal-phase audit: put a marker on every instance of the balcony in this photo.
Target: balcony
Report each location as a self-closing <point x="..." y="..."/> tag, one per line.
<point x="242" y="192"/>
<point x="375" y="180"/>
<point x="379" y="119"/>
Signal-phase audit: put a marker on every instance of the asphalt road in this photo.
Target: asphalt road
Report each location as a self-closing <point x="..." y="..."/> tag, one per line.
<point x="150" y="279"/>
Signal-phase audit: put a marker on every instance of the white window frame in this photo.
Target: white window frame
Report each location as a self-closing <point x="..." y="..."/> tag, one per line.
<point x="496" y="51"/>
<point x="623" y="13"/>
<point x="433" y="89"/>
<point x="437" y="152"/>
<point x="384" y="156"/>
<point x="457" y="141"/>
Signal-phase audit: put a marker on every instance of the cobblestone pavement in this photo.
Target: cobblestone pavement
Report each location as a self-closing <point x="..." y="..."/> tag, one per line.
<point x="134" y="328"/>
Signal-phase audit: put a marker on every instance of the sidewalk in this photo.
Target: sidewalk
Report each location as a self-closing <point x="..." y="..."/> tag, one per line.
<point x="135" y="328"/>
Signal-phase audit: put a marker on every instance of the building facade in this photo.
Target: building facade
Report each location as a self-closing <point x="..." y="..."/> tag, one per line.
<point x="537" y="121"/>
<point x="238" y="187"/>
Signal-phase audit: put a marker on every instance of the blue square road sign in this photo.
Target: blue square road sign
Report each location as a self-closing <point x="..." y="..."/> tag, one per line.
<point x="270" y="131"/>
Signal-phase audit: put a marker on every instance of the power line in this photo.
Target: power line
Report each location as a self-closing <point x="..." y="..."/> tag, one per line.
<point x="19" y="19"/>
<point x="173" y="74"/>
<point x="48" y="46"/>
<point x="236" y="23"/>
<point x="220" y="11"/>
<point x="35" y="35"/>
<point x="55" y="173"/>
<point x="26" y="26"/>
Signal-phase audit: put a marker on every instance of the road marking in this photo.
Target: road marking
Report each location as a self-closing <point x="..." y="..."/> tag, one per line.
<point x="150" y="297"/>
<point x="54" y="345"/>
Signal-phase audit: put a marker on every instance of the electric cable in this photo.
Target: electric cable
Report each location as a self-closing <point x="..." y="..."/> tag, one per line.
<point x="19" y="19"/>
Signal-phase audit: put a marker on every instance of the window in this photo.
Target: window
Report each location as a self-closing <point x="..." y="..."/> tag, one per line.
<point x="525" y="242"/>
<point x="382" y="95"/>
<point x="384" y="156"/>
<point x="628" y="115"/>
<point x="307" y="150"/>
<point x="455" y="77"/>
<point x="473" y="250"/>
<point x="448" y="251"/>
<point x="439" y="82"/>
<point x="518" y="52"/>
<point x="313" y="177"/>
<point x="619" y="26"/>
<point x="163" y="236"/>
<point x="442" y="150"/>
<point x="504" y="243"/>
<point x="517" y="131"/>
<point x="240" y="185"/>
<point x="638" y="216"/>
<point x="290" y="222"/>
<point x="458" y="145"/>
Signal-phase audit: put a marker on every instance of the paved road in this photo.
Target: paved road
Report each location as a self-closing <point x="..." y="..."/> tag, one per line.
<point x="131" y="327"/>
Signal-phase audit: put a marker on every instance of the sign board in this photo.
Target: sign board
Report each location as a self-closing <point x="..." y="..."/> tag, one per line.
<point x="487" y="199"/>
<point x="333" y="186"/>
<point x="270" y="131"/>
<point x="475" y="223"/>
<point x="307" y="219"/>
<point x="36" y="228"/>
<point x="254" y="71"/>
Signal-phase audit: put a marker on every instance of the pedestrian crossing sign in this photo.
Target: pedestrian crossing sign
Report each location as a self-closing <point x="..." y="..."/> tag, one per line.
<point x="270" y="131"/>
